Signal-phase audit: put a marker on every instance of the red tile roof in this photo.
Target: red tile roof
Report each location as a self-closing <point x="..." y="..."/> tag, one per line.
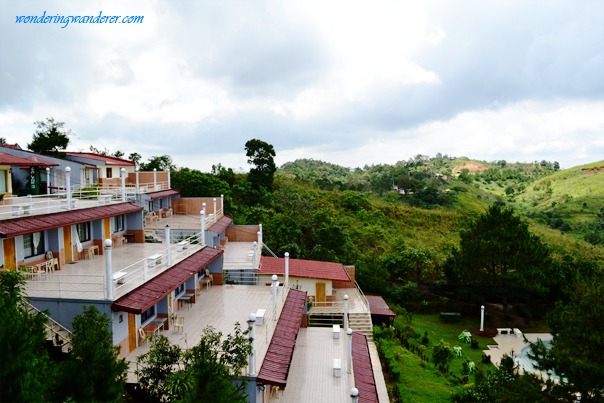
<point x="275" y="367"/>
<point x="162" y="193"/>
<point x="221" y="225"/>
<point x="9" y="159"/>
<point x="378" y="306"/>
<point x="144" y="297"/>
<point x="107" y="159"/>
<point x="36" y="223"/>
<point x="363" y="370"/>
<point x="304" y="268"/>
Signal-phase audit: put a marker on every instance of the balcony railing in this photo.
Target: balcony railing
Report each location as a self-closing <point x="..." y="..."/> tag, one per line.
<point x="125" y="278"/>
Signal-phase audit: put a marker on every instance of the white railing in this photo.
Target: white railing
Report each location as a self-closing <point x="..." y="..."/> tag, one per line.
<point x="94" y="286"/>
<point x="56" y="330"/>
<point x="363" y="298"/>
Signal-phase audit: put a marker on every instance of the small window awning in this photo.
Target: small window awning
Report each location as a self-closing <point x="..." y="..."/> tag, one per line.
<point x="221" y="225"/>
<point x="275" y="367"/>
<point x="144" y="297"/>
<point x="162" y="193"/>
<point x="378" y="306"/>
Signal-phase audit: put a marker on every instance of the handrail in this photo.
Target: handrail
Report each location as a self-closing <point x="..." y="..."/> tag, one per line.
<point x="54" y="322"/>
<point x="363" y="298"/>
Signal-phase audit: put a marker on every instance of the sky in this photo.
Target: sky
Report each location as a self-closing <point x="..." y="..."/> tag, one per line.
<point x="353" y="83"/>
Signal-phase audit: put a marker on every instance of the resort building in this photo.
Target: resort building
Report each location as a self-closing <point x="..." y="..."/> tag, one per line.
<point x="157" y="263"/>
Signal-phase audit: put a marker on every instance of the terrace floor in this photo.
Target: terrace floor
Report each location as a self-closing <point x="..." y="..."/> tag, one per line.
<point x="221" y="307"/>
<point x="311" y="373"/>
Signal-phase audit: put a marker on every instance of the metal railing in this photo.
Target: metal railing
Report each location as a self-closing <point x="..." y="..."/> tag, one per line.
<point x="56" y="331"/>
<point x="93" y="286"/>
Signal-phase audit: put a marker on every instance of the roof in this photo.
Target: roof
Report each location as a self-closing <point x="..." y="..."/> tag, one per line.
<point x="221" y="225"/>
<point x="275" y="367"/>
<point x="148" y="294"/>
<point x="162" y="193"/>
<point x="107" y="159"/>
<point x="304" y="268"/>
<point x="36" y="223"/>
<point x="378" y="306"/>
<point x="9" y="159"/>
<point x="363" y="370"/>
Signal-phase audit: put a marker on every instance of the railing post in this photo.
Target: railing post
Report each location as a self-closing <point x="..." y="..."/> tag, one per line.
<point x="215" y="213"/>
<point x="47" y="181"/>
<point x="154" y="179"/>
<point x="123" y="177"/>
<point x="346" y="311"/>
<point x="168" y="246"/>
<point x="169" y="179"/>
<point x="108" y="269"/>
<point x="349" y="352"/>
<point x="68" y="185"/>
<point x="274" y="285"/>
<point x="137" y="185"/>
<point x="203" y="224"/>
<point x="250" y="322"/>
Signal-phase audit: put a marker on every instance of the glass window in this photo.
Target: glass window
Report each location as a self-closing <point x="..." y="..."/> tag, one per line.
<point x="84" y="233"/>
<point x="179" y="289"/>
<point x="145" y="316"/>
<point x="33" y="244"/>
<point x="3" y="181"/>
<point x="109" y="172"/>
<point x="118" y="223"/>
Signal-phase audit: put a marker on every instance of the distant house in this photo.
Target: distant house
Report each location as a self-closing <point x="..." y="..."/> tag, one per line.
<point x="101" y="169"/>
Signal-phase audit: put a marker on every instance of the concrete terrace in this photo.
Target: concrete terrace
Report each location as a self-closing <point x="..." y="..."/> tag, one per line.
<point x="221" y="307"/>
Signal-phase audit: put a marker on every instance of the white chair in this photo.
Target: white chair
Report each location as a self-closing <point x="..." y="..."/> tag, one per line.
<point x="179" y="325"/>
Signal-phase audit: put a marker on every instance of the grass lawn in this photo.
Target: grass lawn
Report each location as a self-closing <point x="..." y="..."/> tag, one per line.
<point x="418" y="381"/>
<point x="449" y="332"/>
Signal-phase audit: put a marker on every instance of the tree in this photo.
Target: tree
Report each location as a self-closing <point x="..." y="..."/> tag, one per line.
<point x="503" y="384"/>
<point x="161" y="163"/>
<point x="50" y="138"/>
<point x="498" y="257"/>
<point x="261" y="155"/>
<point x="155" y="368"/>
<point x="442" y="354"/>
<point x="577" y="346"/>
<point x="25" y="371"/>
<point x="205" y="373"/>
<point x="135" y="157"/>
<point x="93" y="361"/>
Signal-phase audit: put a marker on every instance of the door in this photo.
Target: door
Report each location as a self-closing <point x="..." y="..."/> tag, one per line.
<point x="131" y="332"/>
<point x="320" y="294"/>
<point x="67" y="244"/>
<point x="107" y="229"/>
<point x="10" y="259"/>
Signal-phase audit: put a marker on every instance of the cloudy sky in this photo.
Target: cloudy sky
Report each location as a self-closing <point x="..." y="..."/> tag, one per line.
<point x="349" y="82"/>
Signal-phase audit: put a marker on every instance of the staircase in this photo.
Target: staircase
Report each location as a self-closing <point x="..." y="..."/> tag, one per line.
<point x="360" y="322"/>
<point x="59" y="336"/>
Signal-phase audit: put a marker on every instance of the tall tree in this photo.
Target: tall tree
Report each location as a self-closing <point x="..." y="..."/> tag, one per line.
<point x="160" y="163"/>
<point x="50" y="138"/>
<point x="576" y="352"/>
<point x="93" y="372"/>
<point x="498" y="257"/>
<point x="261" y="155"/>
<point x="135" y="157"/>
<point x="25" y="371"/>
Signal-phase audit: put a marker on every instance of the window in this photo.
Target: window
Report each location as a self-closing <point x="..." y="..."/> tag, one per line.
<point x="84" y="233"/>
<point x="118" y="223"/>
<point x="180" y="289"/>
<point x="145" y="316"/>
<point x="109" y="172"/>
<point x="33" y="244"/>
<point x="3" y="181"/>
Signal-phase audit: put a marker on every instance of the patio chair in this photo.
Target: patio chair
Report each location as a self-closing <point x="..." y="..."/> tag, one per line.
<point x="142" y="336"/>
<point x="209" y="278"/>
<point x="179" y="325"/>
